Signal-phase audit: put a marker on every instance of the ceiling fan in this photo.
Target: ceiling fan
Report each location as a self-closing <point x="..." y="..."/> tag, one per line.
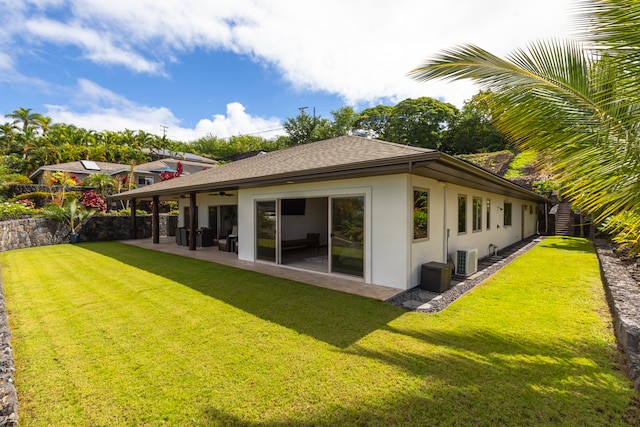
<point x="220" y="193"/>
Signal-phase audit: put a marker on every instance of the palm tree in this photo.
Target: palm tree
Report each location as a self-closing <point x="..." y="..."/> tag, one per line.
<point x="576" y="102"/>
<point x="101" y="181"/>
<point x="24" y="116"/>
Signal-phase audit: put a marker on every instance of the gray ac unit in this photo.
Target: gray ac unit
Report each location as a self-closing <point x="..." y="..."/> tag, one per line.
<point x="466" y="262"/>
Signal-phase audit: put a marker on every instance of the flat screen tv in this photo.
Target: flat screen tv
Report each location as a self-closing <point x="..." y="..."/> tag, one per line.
<point x="293" y="206"/>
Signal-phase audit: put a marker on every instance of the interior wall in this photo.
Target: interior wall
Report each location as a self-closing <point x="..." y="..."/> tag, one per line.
<point x="314" y="220"/>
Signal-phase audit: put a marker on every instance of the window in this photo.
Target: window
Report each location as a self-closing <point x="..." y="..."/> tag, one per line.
<point x="507" y="214"/>
<point x="462" y="214"/>
<point x="145" y="180"/>
<point x="187" y="217"/>
<point x="476" y="208"/>
<point x="420" y="214"/>
<point x="488" y="227"/>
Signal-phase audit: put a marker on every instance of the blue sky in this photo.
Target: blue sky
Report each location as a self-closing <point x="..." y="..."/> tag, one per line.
<point x="243" y="66"/>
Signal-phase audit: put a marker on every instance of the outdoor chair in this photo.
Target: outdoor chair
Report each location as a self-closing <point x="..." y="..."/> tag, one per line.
<point x="227" y="243"/>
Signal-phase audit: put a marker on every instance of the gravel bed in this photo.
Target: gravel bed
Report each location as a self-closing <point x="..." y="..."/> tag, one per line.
<point x="417" y="299"/>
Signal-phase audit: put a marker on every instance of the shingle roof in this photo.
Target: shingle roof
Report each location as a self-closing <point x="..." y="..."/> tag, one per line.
<point x="342" y="157"/>
<point x="345" y="152"/>
<point x="78" y="167"/>
<point x="158" y="166"/>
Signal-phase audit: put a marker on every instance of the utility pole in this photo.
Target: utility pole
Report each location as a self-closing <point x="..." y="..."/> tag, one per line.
<point x="302" y="110"/>
<point x="164" y="137"/>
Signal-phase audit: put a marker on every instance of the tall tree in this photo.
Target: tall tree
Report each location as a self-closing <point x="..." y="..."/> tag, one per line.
<point x="374" y="121"/>
<point x="472" y="130"/>
<point x="420" y="121"/>
<point x="576" y="102"/>
<point x="305" y="128"/>
<point x="24" y="116"/>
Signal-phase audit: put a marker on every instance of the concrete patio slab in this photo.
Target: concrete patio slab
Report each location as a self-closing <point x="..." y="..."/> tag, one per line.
<point x="212" y="254"/>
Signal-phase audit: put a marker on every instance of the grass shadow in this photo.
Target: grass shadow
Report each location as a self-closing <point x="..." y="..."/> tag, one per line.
<point x="488" y="379"/>
<point x="575" y="244"/>
<point x="335" y="317"/>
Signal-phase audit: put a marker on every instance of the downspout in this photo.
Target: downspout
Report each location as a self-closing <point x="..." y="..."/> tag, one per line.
<point x="410" y="214"/>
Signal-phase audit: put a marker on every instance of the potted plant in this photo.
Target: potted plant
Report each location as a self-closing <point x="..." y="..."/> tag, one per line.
<point x="71" y="214"/>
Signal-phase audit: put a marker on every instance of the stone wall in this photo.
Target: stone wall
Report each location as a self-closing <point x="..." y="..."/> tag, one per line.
<point x="102" y="228"/>
<point x="623" y="295"/>
<point x="8" y="393"/>
<point x="31" y="232"/>
<point x="168" y="224"/>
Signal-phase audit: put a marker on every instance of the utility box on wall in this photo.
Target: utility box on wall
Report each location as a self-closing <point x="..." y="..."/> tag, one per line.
<point x="436" y="277"/>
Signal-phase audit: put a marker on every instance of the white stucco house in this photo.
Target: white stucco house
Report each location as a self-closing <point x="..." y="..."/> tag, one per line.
<point x="367" y="209"/>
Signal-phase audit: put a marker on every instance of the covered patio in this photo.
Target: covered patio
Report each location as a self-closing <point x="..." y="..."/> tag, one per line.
<point x="212" y="254"/>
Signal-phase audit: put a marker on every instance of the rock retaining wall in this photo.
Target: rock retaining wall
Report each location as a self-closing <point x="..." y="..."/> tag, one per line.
<point x="623" y="295"/>
<point x="8" y="393"/>
<point x="31" y="232"/>
<point x="102" y="228"/>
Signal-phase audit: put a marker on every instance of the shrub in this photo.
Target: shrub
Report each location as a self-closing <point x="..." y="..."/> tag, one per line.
<point x="93" y="200"/>
<point x="545" y="188"/>
<point x="38" y="198"/>
<point x="126" y="212"/>
<point x="14" y="211"/>
<point x="17" y="178"/>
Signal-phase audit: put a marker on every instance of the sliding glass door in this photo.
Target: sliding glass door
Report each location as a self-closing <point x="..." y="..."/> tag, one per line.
<point x="347" y="235"/>
<point x="266" y="230"/>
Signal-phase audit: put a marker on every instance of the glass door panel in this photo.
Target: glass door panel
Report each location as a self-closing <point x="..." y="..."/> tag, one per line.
<point x="347" y="235"/>
<point x="266" y="231"/>
<point x="213" y="220"/>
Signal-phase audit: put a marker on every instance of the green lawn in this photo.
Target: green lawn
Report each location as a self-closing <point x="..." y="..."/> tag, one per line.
<point x="106" y="334"/>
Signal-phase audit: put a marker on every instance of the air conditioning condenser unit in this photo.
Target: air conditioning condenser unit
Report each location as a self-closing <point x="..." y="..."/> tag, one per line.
<point x="466" y="262"/>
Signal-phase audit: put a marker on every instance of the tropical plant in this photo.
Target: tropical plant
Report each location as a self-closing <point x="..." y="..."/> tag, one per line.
<point x="101" y="181"/>
<point x="574" y="101"/>
<point x="94" y="200"/>
<point x="70" y="213"/>
<point x="166" y="175"/>
<point x="24" y="116"/>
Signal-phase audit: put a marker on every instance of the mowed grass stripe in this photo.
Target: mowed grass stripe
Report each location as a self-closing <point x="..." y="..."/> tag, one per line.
<point x="108" y="334"/>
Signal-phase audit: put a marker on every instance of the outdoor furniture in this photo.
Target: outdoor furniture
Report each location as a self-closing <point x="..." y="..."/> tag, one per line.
<point x="204" y="237"/>
<point x="182" y="236"/>
<point x="229" y="242"/>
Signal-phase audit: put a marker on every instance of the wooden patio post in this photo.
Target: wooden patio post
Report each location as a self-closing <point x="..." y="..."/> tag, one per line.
<point x="155" y="224"/>
<point x="192" y="221"/>
<point x="134" y="228"/>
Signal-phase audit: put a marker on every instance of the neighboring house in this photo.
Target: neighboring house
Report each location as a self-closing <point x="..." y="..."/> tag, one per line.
<point x="144" y="174"/>
<point x="380" y="210"/>
<point x="149" y="173"/>
<point x="168" y="154"/>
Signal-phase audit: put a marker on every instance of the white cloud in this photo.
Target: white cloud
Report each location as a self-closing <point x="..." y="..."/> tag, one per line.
<point x="359" y="50"/>
<point x="97" y="46"/>
<point x="98" y="108"/>
<point x="237" y="122"/>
